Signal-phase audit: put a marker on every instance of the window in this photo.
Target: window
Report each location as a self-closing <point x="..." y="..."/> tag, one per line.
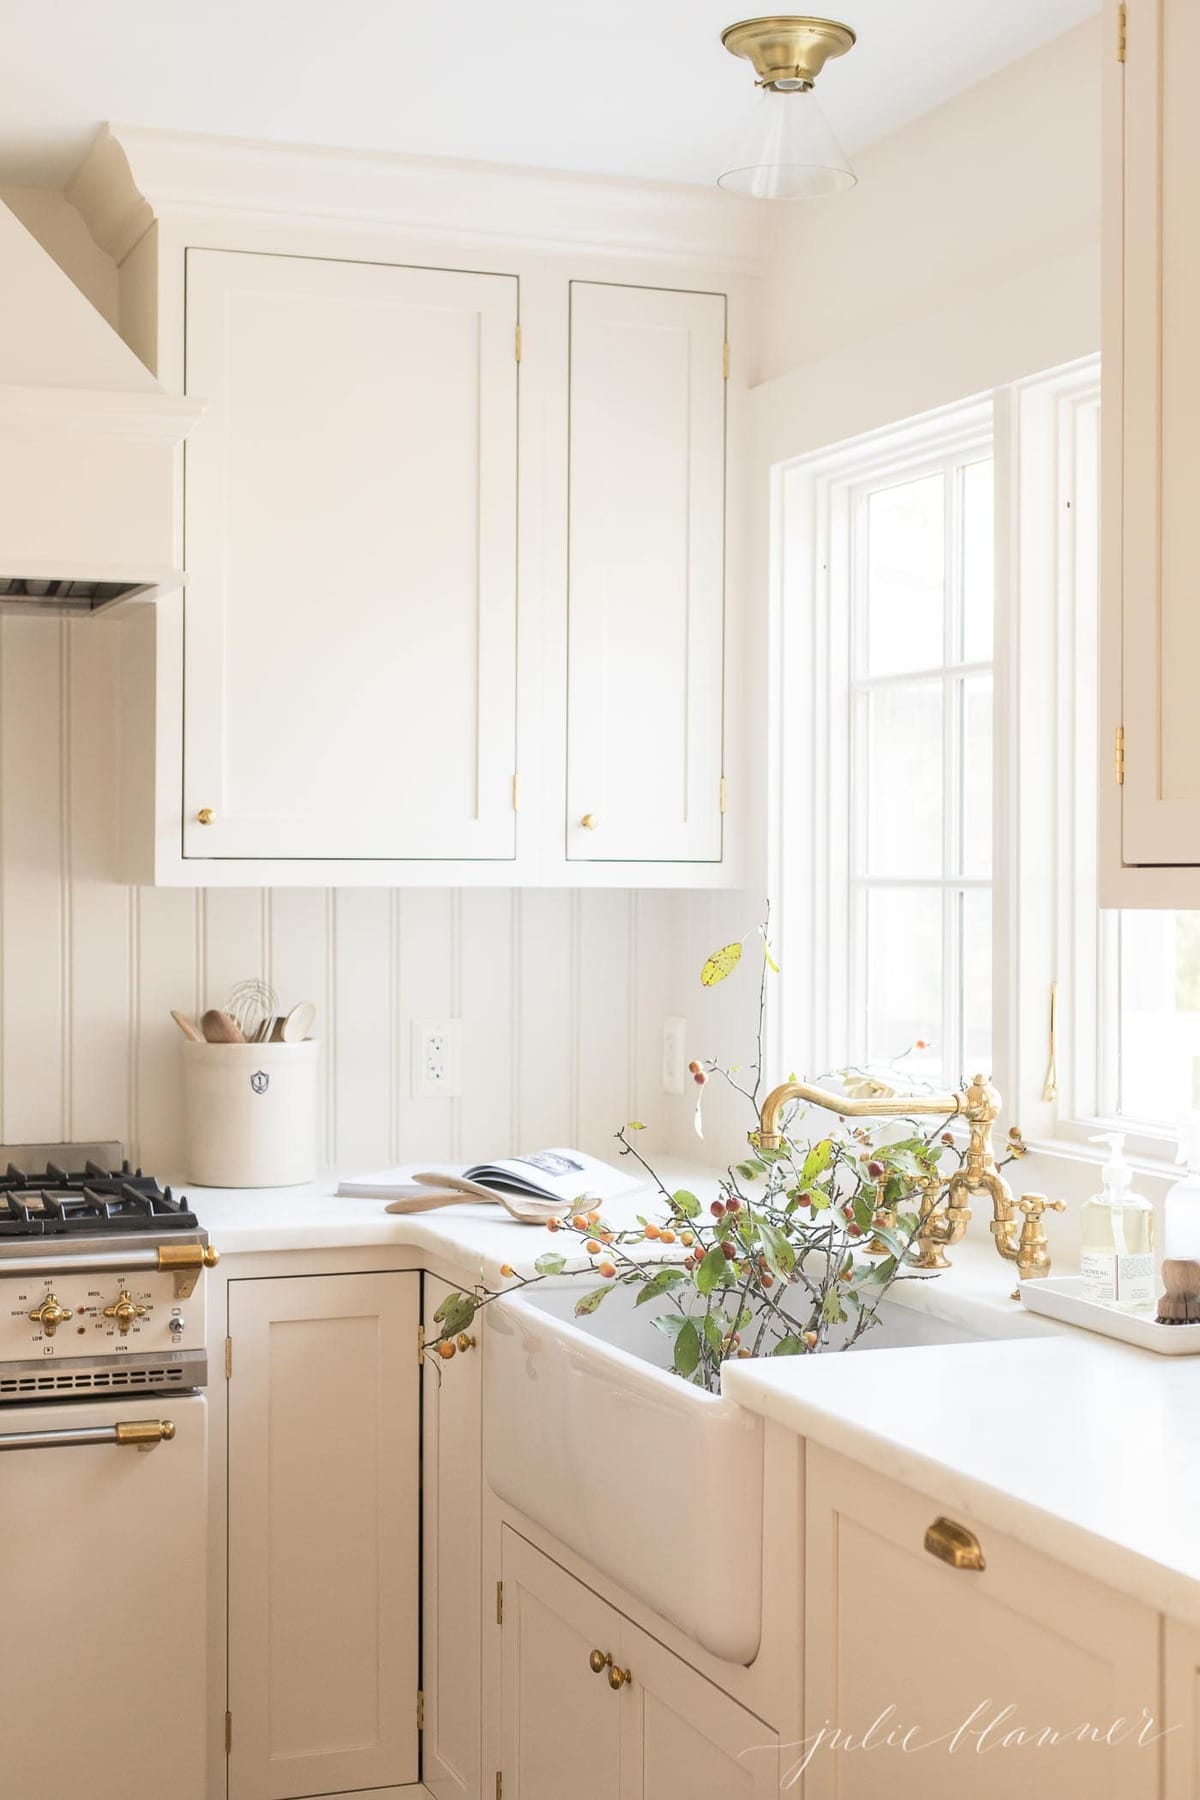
<point x="937" y="876"/>
<point x="902" y="602"/>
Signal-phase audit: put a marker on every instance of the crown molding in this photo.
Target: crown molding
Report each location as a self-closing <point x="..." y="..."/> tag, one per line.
<point x="96" y="413"/>
<point x="133" y="175"/>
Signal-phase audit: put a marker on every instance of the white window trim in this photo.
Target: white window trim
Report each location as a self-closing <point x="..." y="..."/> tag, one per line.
<point x="1046" y="925"/>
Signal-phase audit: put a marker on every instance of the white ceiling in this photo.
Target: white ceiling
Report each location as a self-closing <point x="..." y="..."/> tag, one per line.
<point x="623" y="87"/>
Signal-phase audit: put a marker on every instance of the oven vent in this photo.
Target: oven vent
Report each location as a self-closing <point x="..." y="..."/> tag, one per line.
<point x="95" y="1380"/>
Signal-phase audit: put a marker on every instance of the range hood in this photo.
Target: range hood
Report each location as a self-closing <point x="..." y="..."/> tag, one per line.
<point x="87" y="448"/>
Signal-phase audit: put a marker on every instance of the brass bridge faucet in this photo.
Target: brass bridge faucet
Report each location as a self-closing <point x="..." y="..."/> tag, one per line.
<point x="1019" y="1241"/>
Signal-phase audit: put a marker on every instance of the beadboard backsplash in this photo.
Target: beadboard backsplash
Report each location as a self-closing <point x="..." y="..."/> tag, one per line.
<point x="561" y="994"/>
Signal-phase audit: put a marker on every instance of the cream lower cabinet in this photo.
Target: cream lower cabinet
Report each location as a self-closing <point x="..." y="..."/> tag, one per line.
<point x="451" y="1564"/>
<point x="1181" y="1712"/>
<point x="666" y="1733"/>
<point x="898" y="1642"/>
<point x="324" y="1498"/>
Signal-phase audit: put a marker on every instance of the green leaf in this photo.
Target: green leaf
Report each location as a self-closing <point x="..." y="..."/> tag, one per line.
<point x="781" y="1257"/>
<point x="817" y="1159"/>
<point x="587" y="1303"/>
<point x="711" y="1272"/>
<point x="769" y="959"/>
<point x="720" y="964"/>
<point x="820" y="1199"/>
<point x="892" y="1239"/>
<point x="455" y="1313"/>
<point x="671" y="1324"/>
<point x="685" y="1203"/>
<point x="687" y="1348"/>
<point x="864" y="1209"/>
<point x="659" y="1284"/>
<point x="831" y="1308"/>
<point x="713" y="1332"/>
<point x="550" y="1264"/>
<point x="635" y="1125"/>
<point x="788" y="1346"/>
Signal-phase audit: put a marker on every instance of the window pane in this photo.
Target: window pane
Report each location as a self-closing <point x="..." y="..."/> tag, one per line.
<point x="1159" y="1040"/>
<point x="903" y="774"/>
<point x="976" y="927"/>
<point x="905" y="576"/>
<point x="977" y="777"/>
<point x="904" y="978"/>
<point x="978" y="561"/>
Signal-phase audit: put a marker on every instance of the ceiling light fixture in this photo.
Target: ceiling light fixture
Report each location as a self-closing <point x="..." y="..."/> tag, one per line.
<point x="787" y="146"/>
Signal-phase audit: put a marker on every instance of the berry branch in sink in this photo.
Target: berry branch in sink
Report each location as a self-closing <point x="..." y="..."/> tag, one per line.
<point x="795" y="1254"/>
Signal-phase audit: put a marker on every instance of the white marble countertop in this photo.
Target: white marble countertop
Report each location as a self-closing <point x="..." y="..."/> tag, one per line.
<point x="1083" y="1448"/>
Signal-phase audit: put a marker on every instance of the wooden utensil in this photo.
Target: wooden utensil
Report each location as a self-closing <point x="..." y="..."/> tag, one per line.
<point x="219" y="1028"/>
<point x="188" y="1029"/>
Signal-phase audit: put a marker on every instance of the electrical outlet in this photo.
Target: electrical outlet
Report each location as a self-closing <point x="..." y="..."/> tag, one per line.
<point x="436" y="1059"/>
<point x="674" y="1049"/>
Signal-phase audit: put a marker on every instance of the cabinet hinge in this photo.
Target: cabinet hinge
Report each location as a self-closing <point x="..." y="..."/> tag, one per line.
<point x="499" y="1603"/>
<point x="420" y="1346"/>
<point x="722" y="793"/>
<point x="228" y="1732"/>
<point x="725" y="361"/>
<point x="517" y="343"/>
<point x="420" y="1710"/>
<point x="516" y="792"/>
<point x="1122" y="27"/>
<point x="499" y="1785"/>
<point x="1119" y="756"/>
<point x="228" y="1358"/>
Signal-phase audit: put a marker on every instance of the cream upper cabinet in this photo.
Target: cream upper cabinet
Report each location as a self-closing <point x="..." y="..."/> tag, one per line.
<point x="646" y="573"/>
<point x="1151" y="645"/>
<point x="350" y="507"/>
<point x="898" y="1641"/>
<point x="323" y="1547"/>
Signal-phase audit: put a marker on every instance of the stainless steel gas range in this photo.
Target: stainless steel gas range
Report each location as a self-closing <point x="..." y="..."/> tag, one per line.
<point x="102" y="1335"/>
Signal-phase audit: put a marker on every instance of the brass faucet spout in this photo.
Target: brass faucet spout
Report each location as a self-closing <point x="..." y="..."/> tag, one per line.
<point x="887" y="1106"/>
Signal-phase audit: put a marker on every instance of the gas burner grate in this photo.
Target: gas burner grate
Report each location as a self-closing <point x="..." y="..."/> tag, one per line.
<point x="57" y="1202"/>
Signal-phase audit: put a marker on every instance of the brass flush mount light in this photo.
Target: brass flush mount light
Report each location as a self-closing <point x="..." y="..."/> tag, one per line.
<point x="787" y="147"/>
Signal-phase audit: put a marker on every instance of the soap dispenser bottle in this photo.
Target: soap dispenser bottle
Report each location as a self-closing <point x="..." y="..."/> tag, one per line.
<point x="1116" y="1260"/>
<point x="1179" y="1304"/>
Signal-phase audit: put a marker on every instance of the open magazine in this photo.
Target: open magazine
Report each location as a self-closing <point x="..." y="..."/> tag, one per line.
<point x="557" y="1177"/>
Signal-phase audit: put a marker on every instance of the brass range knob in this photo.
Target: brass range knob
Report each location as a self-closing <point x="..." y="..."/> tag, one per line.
<point x="50" y="1315"/>
<point x="205" y="816"/>
<point x="124" y="1310"/>
<point x="589" y="821"/>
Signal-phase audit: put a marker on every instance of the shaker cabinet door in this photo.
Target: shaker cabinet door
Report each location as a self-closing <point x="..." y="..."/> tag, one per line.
<point x="324" y="1503"/>
<point x="1154" y="285"/>
<point x="350" y="515"/>
<point x="646" y="573"/>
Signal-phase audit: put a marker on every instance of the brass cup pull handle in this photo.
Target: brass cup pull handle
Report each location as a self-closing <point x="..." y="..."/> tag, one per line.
<point x="955" y="1545"/>
<point x="598" y="1662"/>
<point x="205" y="816"/>
<point x="589" y="821"/>
<point x="617" y="1678"/>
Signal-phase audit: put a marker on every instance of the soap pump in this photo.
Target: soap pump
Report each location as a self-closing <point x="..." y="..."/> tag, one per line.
<point x="1116" y="1259"/>
<point x="1180" y="1301"/>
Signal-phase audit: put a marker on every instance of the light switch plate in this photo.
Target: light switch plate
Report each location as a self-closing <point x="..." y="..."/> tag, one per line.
<point x="436" y="1059"/>
<point x="674" y="1049"/>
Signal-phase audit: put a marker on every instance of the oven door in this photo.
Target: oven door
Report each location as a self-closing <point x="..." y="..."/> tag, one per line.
<point x="102" y="1559"/>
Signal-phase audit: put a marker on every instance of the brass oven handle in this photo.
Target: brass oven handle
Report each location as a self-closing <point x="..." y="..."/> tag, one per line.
<point x="141" y="1433"/>
<point x="183" y="1260"/>
<point x="955" y="1545"/>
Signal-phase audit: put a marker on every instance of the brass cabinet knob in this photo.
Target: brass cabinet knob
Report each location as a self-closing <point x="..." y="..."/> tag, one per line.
<point x="124" y="1310"/>
<point x="589" y="821"/>
<point x="617" y="1678"/>
<point x="464" y="1342"/>
<point x="955" y="1545"/>
<point x="50" y="1315"/>
<point x="205" y="816"/>
<point x="598" y="1662"/>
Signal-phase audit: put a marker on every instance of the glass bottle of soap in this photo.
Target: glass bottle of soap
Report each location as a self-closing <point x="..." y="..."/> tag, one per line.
<point x="1116" y="1258"/>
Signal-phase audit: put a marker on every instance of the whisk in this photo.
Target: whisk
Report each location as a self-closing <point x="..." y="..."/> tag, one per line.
<point x="253" y="1005"/>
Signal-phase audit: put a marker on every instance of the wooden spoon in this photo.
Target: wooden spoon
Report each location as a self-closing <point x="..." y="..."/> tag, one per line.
<point x="219" y="1028"/>
<point x="188" y="1029"/>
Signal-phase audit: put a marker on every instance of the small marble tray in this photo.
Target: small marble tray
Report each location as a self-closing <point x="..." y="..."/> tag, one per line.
<point x="1060" y="1297"/>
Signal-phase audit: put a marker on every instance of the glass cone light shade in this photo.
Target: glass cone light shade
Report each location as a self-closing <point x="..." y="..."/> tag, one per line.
<point x="786" y="149"/>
